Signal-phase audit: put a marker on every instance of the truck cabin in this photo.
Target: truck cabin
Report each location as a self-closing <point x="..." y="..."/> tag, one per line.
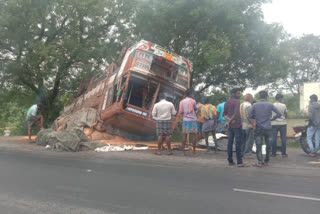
<point x="147" y="76"/>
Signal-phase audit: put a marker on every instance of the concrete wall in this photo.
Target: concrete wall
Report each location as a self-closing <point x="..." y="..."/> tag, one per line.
<point x="306" y="90"/>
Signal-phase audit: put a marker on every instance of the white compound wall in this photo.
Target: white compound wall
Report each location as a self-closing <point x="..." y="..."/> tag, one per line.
<point x="306" y="90"/>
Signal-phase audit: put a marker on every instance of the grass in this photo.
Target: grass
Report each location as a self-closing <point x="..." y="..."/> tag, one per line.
<point x="292" y="143"/>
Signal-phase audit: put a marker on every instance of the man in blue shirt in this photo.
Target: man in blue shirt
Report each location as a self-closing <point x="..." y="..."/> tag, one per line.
<point x="34" y="118"/>
<point x="221" y="125"/>
<point x="262" y="112"/>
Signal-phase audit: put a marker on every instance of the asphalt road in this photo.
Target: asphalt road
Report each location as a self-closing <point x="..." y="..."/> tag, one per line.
<point x="35" y="182"/>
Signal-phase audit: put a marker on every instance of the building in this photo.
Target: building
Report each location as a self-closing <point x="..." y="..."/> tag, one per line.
<point x="306" y="90"/>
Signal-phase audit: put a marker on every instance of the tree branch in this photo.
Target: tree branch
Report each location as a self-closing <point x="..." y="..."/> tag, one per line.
<point x="53" y="36"/>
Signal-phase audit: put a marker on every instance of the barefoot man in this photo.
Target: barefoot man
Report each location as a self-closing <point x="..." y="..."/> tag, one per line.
<point x="34" y="118"/>
<point x="187" y="109"/>
<point x="162" y="112"/>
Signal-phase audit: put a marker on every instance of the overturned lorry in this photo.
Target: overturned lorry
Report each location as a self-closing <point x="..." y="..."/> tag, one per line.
<point x="124" y="95"/>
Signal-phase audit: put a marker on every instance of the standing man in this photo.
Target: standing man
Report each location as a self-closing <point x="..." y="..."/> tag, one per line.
<point x="262" y="112"/>
<point x="247" y="126"/>
<point x="162" y="112"/>
<point x="209" y="114"/>
<point x="34" y="118"/>
<point x="232" y="114"/>
<point x="221" y="125"/>
<point x="187" y="108"/>
<point x="280" y="125"/>
<point x="314" y="125"/>
<point x="200" y="119"/>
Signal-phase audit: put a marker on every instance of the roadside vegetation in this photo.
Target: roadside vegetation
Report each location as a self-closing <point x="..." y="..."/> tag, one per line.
<point x="48" y="46"/>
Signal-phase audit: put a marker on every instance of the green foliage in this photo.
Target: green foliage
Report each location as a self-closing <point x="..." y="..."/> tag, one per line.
<point x="14" y="104"/>
<point x="214" y="99"/>
<point x="227" y="41"/>
<point x="293" y="104"/>
<point x="303" y="56"/>
<point x="48" y="46"/>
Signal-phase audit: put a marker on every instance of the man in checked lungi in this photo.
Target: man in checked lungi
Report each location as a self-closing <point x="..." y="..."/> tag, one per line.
<point x="162" y="112"/>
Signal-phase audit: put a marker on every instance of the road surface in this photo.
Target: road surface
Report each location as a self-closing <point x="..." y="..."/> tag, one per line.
<point x="136" y="182"/>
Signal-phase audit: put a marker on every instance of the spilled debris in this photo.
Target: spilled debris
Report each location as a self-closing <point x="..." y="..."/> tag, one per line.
<point x="111" y="148"/>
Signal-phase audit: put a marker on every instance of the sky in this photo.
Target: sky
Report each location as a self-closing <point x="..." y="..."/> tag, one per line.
<point x="298" y="17"/>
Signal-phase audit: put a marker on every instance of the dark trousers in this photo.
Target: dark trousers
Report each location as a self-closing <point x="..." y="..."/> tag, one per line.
<point x="234" y="133"/>
<point x="283" y="136"/>
<point x="267" y="135"/>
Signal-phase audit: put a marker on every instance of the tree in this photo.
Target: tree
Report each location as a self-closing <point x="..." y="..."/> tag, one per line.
<point x="303" y="55"/>
<point x="49" y="45"/>
<point x="228" y="41"/>
<point x="14" y="103"/>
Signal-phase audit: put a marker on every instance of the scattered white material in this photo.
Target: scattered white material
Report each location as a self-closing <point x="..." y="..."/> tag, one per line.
<point x="220" y="135"/>
<point x="264" y="149"/>
<point x="6" y="133"/>
<point x="202" y="142"/>
<point x="47" y="147"/>
<point x="89" y="170"/>
<point x="110" y="148"/>
<point x="277" y="194"/>
<point x="136" y="148"/>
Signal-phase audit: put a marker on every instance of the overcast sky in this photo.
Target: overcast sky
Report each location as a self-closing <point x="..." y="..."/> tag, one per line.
<point x="298" y="17"/>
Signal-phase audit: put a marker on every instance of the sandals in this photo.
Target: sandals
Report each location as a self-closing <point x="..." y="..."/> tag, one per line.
<point x="242" y="165"/>
<point x="257" y="165"/>
<point x="157" y="153"/>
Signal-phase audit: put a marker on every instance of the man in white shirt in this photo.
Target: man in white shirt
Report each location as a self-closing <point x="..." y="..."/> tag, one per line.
<point x="162" y="113"/>
<point x="280" y="125"/>
<point x="34" y="118"/>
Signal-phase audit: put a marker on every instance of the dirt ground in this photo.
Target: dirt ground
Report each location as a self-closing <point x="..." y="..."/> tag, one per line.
<point x="297" y="158"/>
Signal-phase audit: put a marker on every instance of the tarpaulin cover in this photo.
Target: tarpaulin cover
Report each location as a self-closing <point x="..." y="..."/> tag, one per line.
<point x="78" y="120"/>
<point x="66" y="140"/>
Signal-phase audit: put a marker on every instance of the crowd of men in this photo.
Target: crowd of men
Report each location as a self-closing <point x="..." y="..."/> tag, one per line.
<point x="244" y="123"/>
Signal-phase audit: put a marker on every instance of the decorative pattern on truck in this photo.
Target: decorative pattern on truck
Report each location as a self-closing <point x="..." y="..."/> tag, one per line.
<point x="126" y="92"/>
<point x="137" y="111"/>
